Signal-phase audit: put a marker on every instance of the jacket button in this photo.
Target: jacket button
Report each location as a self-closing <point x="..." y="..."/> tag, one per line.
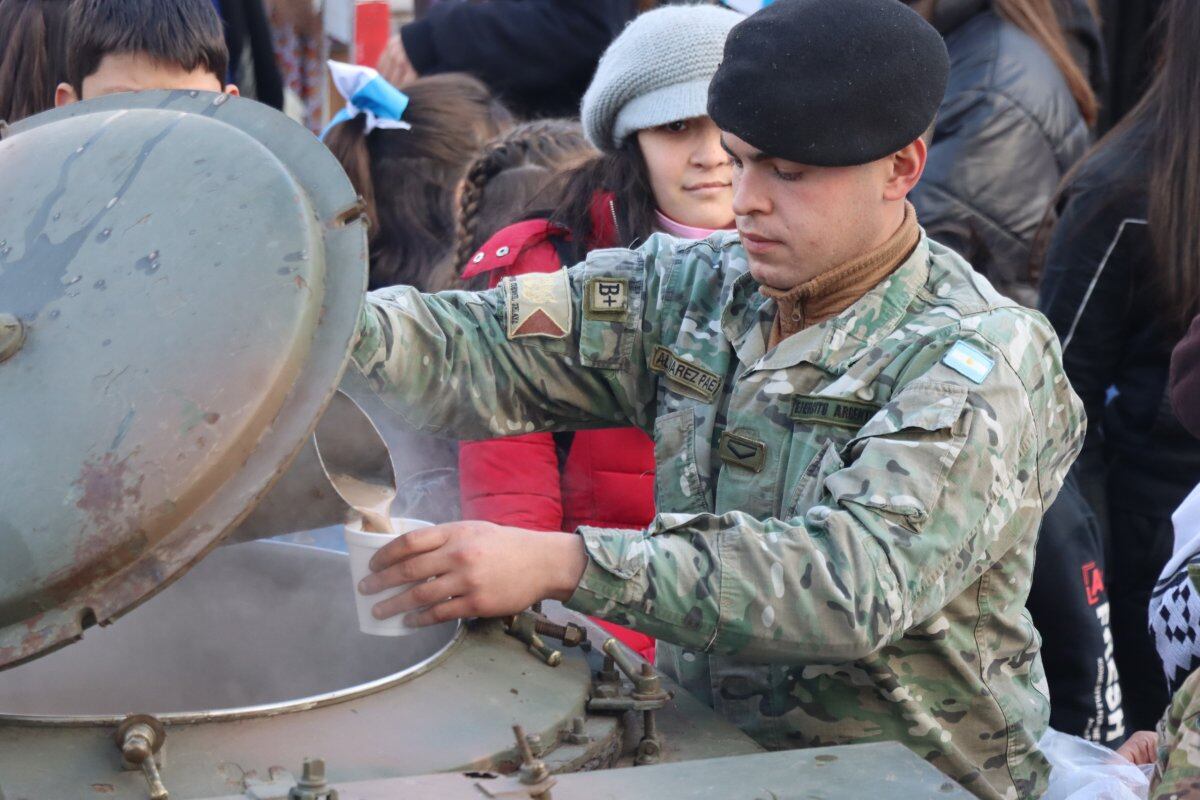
<point x="477" y="257"/>
<point x="502" y="252"/>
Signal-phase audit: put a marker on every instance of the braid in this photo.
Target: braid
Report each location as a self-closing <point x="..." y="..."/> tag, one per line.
<point x="495" y="158"/>
<point x="551" y="144"/>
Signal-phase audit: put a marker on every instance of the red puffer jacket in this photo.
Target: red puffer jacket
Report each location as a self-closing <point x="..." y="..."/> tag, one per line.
<point x="607" y="476"/>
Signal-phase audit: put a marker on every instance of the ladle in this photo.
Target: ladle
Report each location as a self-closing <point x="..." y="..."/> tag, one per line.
<point x="356" y="462"/>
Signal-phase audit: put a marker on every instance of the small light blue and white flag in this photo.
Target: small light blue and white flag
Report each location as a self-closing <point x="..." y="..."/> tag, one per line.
<point x="746" y="6"/>
<point x="368" y="93"/>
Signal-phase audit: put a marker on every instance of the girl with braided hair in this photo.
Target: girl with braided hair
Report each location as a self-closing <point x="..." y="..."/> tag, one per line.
<point x="660" y="168"/>
<point x="518" y="176"/>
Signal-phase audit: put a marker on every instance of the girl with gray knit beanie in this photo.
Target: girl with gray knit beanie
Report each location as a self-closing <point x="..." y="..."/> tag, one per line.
<point x="660" y="167"/>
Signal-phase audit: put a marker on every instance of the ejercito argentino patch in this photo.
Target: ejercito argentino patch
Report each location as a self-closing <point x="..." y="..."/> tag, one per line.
<point x="538" y="304"/>
<point x="808" y="408"/>
<point x="687" y="378"/>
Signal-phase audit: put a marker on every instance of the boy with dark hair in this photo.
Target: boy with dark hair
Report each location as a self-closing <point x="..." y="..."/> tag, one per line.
<point x="135" y="45"/>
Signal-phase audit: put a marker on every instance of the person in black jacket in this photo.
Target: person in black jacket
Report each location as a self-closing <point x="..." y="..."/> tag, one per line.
<point x="1121" y="282"/>
<point x="537" y="55"/>
<point x="1130" y="44"/>
<point x="1014" y="119"/>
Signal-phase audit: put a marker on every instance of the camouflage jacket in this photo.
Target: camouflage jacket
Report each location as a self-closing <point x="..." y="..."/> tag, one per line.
<point x="1177" y="774"/>
<point x="847" y="521"/>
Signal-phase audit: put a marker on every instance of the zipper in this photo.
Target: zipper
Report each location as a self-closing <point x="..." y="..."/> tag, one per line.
<point x="612" y="209"/>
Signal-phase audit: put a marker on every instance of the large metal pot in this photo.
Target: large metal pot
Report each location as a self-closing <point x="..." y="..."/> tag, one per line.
<point x="255" y="629"/>
<point x="254" y="659"/>
<point x="180" y="281"/>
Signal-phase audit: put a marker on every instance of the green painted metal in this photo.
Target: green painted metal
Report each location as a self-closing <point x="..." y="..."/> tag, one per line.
<point x="188" y="270"/>
<point x="326" y="688"/>
<point x="853" y="772"/>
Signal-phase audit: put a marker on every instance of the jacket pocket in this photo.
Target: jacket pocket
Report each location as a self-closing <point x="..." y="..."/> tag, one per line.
<point x="900" y="460"/>
<point x="811" y="485"/>
<point x="679" y="483"/>
<point x="608" y="335"/>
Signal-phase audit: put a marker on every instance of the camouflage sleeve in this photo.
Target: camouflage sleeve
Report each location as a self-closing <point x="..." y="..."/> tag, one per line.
<point x="541" y="352"/>
<point x="952" y="474"/>
<point x="1177" y="773"/>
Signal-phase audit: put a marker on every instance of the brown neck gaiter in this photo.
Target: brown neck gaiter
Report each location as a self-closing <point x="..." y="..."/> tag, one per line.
<point x="832" y="292"/>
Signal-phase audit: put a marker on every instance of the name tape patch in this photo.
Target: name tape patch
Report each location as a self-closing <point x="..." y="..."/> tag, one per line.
<point x="689" y="378"/>
<point x="742" y="451"/>
<point x="969" y="362"/>
<point x="606" y="298"/>
<point x="831" y="411"/>
<point x="538" y="304"/>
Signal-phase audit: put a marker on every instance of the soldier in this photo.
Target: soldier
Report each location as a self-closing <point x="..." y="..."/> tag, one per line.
<point x="1177" y="773"/>
<point x="856" y="436"/>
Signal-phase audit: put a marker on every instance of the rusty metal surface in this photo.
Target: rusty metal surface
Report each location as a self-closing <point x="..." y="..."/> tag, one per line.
<point x="853" y="772"/>
<point x="188" y="269"/>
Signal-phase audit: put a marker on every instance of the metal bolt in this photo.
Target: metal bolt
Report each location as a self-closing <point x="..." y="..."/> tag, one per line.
<point x="522" y="743"/>
<point x="312" y="772"/>
<point x="608" y="672"/>
<point x="649" y="729"/>
<point x="533" y="770"/>
<point x="312" y="785"/>
<point x="12" y="336"/>
<point x="139" y="737"/>
<point x="577" y="734"/>
<point x="648" y="752"/>
<point x="547" y="654"/>
<point x="628" y="664"/>
<point x="571" y="635"/>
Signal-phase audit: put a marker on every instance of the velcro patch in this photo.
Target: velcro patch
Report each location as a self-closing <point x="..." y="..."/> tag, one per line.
<point x="690" y="379"/>
<point x="538" y="304"/>
<point x="742" y="451"/>
<point x="831" y="411"/>
<point x="606" y="298"/>
<point x="969" y="362"/>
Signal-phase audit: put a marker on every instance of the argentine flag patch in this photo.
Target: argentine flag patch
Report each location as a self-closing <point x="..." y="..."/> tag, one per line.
<point x="969" y="362"/>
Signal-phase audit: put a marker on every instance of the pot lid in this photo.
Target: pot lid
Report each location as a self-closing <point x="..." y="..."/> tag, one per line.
<point x="181" y="275"/>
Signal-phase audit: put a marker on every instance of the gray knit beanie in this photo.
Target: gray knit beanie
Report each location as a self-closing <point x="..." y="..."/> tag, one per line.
<point x="657" y="71"/>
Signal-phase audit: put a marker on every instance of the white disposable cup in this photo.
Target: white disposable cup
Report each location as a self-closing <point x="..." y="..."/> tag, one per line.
<point x="362" y="546"/>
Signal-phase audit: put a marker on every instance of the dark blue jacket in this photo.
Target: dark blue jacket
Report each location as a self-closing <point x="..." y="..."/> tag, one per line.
<point x="538" y="55"/>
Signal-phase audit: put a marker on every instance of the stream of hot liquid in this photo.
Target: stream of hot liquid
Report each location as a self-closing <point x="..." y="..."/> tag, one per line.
<point x="372" y="500"/>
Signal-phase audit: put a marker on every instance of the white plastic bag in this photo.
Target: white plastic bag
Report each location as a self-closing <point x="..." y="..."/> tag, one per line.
<point x="1082" y="770"/>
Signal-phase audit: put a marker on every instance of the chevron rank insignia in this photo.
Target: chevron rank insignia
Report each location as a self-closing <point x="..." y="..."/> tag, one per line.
<point x="538" y="304"/>
<point x="968" y="362"/>
<point x="742" y="451"/>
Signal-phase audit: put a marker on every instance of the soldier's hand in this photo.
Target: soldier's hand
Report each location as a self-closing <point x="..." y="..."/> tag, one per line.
<point x="473" y="569"/>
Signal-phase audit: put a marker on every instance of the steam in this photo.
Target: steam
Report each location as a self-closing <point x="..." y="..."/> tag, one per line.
<point x="255" y="623"/>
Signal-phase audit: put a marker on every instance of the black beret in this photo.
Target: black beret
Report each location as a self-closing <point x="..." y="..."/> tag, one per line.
<point x="830" y="83"/>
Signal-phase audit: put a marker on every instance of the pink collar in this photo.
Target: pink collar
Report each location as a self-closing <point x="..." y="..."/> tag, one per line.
<point x="678" y="229"/>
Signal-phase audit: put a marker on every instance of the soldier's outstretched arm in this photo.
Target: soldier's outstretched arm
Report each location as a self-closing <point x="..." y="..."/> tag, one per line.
<point x="944" y="483"/>
<point x="507" y="361"/>
<point x="933" y="491"/>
